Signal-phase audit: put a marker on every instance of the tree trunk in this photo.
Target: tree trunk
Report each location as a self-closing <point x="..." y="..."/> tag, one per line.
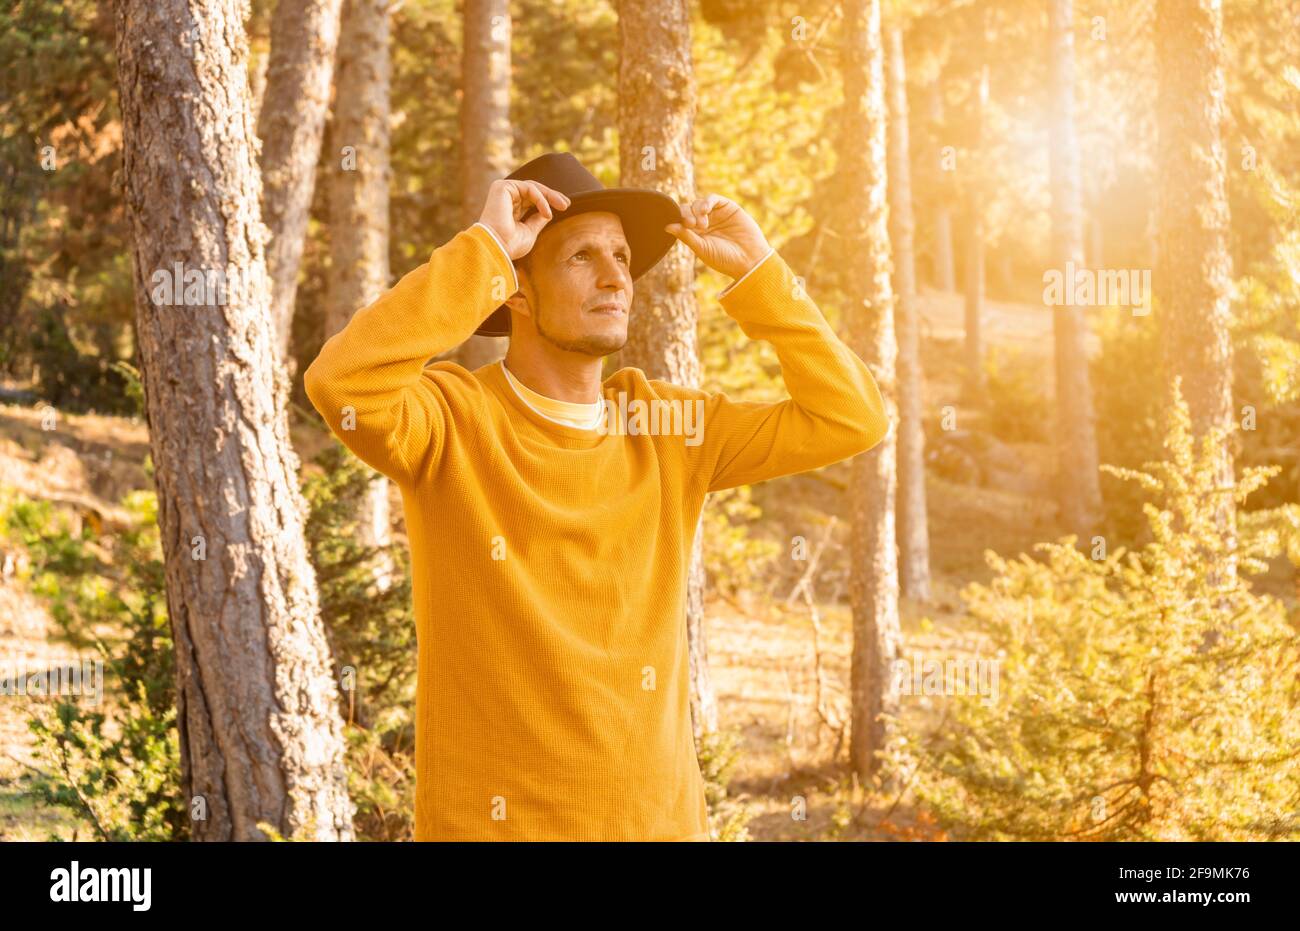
<point x="260" y="733"/>
<point x="913" y="534"/>
<point x="945" y="278"/>
<point x="358" y="198"/>
<point x="486" y="142"/>
<point x="257" y="79"/>
<point x="873" y="573"/>
<point x="304" y="36"/>
<point x="973" y="270"/>
<point x="656" y="119"/>
<point x="1096" y="241"/>
<point x="1078" y="480"/>
<point x="973" y="294"/>
<point x="1193" y="266"/>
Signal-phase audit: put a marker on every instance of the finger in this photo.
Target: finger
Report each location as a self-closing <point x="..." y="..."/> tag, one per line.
<point x="544" y="204"/>
<point x="521" y="198"/>
<point x="537" y="194"/>
<point x="537" y="218"/>
<point x="688" y="216"/>
<point x="690" y="237"/>
<point x="723" y="209"/>
<point x="557" y="198"/>
<point x="535" y="222"/>
<point x="701" y="208"/>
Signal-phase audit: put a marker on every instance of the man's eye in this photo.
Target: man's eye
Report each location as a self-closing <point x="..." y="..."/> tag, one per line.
<point x="623" y="256"/>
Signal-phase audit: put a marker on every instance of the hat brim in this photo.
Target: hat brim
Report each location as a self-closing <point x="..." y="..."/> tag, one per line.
<point x="644" y="215"/>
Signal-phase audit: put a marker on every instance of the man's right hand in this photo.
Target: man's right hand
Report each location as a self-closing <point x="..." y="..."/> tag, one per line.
<point x="517" y="210"/>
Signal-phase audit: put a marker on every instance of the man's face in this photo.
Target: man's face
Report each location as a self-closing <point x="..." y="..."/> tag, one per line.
<point x="578" y="267"/>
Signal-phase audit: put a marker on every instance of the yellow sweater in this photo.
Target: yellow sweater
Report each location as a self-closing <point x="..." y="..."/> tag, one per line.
<point x="549" y="562"/>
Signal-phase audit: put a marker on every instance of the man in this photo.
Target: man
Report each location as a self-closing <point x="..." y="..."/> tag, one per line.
<point x="549" y="538"/>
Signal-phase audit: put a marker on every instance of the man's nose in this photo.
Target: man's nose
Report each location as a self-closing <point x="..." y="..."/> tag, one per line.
<point x="613" y="273"/>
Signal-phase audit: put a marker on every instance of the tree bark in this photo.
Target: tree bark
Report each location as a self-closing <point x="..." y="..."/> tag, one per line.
<point x="913" y="533"/>
<point x="1078" y="479"/>
<point x="487" y="147"/>
<point x="656" y="120"/>
<point x="873" y="574"/>
<point x="358" y="198"/>
<point x="304" y="37"/>
<point x="1193" y="266"/>
<point x="260" y="734"/>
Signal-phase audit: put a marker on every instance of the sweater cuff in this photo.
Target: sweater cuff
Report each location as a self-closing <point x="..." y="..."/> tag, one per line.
<point x="504" y="253"/>
<point x="727" y="289"/>
<point x="768" y="293"/>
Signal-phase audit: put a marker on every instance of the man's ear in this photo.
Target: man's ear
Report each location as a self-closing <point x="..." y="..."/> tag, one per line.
<point x="519" y="300"/>
<point x="517" y="303"/>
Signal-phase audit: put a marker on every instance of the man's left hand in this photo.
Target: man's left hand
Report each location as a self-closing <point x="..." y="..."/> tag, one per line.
<point x="723" y="235"/>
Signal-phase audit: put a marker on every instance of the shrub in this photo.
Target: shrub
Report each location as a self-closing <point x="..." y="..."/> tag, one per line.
<point x="1140" y="698"/>
<point x="735" y="560"/>
<point x="117" y="768"/>
<point x="371" y="631"/>
<point x="1018" y="410"/>
<point x="718" y="753"/>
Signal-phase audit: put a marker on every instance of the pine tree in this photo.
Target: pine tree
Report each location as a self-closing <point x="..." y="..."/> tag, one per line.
<point x="873" y="582"/>
<point x="1112" y="719"/>
<point x="656" y="114"/>
<point x="913" y="529"/>
<point x="260" y="737"/>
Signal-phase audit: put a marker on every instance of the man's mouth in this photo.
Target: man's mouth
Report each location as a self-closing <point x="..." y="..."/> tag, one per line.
<point x="611" y="308"/>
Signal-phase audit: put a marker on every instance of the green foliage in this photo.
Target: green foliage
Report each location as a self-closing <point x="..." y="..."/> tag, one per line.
<point x="1018" y="411"/>
<point x="1128" y="376"/>
<point x="1128" y="389"/>
<point x="65" y="271"/>
<point x="45" y="534"/>
<point x="124" y="785"/>
<point x="130" y="375"/>
<point x="1267" y="346"/>
<point x="69" y="375"/>
<point x="371" y="631"/>
<point x="1140" y="696"/>
<point x="1278" y="532"/>
<point x="718" y="753"/>
<point x="119" y="767"/>
<point x="734" y="559"/>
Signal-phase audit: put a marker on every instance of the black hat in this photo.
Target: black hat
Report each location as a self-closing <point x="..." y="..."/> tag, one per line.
<point x="644" y="214"/>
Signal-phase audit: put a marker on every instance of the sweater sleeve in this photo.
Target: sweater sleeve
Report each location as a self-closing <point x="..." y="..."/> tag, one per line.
<point x="835" y="409"/>
<point x="370" y="382"/>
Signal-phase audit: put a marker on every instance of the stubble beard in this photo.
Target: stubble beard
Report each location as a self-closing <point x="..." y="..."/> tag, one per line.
<point x="599" y="346"/>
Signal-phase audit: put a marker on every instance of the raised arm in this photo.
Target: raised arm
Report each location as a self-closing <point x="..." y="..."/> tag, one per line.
<point x="370" y="382"/>
<point x="835" y="409"/>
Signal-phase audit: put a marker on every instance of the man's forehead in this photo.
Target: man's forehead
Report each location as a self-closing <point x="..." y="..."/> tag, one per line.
<point x="589" y="225"/>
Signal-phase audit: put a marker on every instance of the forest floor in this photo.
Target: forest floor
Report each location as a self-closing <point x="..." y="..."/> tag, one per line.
<point x="762" y="656"/>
